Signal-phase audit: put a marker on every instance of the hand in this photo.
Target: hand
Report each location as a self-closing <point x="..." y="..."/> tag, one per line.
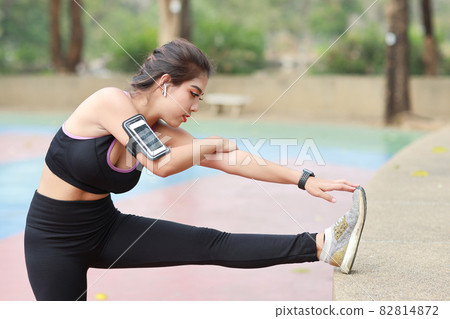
<point x="228" y="146"/>
<point x="318" y="187"/>
<point x="223" y="145"/>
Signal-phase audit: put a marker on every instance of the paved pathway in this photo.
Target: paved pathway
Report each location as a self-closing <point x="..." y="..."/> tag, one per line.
<point x="404" y="252"/>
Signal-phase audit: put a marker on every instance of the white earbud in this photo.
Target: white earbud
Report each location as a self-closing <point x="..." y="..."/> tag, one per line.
<point x="165" y="90"/>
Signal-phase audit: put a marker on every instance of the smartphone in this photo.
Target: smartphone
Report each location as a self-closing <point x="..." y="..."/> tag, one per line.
<point x="143" y="139"/>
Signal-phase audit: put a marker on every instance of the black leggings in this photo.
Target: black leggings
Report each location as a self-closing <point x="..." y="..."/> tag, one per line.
<point x="63" y="239"/>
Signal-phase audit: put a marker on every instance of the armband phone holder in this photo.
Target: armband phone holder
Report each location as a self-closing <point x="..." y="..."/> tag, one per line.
<point x="143" y="139"/>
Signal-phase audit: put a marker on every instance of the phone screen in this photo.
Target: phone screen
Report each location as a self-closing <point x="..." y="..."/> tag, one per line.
<point x="148" y="137"/>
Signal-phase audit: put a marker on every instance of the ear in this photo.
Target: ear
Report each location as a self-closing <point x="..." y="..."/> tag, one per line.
<point x="165" y="78"/>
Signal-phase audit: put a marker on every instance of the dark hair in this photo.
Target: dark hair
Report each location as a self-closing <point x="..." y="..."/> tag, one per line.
<point x="180" y="59"/>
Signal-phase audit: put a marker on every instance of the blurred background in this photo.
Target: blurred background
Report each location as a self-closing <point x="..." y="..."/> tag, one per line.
<point x="391" y="63"/>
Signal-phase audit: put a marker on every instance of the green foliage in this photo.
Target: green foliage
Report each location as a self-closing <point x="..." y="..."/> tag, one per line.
<point x="331" y="17"/>
<point x="232" y="50"/>
<point x="125" y="21"/>
<point x="233" y="33"/>
<point x="363" y="52"/>
<point x="23" y="36"/>
<point x="357" y="52"/>
<point x="228" y="35"/>
<point x="138" y="44"/>
<point x="416" y="43"/>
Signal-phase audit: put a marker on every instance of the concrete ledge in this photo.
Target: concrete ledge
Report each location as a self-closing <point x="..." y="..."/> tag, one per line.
<point x="219" y="101"/>
<point x="358" y="98"/>
<point x="53" y="92"/>
<point x="403" y="254"/>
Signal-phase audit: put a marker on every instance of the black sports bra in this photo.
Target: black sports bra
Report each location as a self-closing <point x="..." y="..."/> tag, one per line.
<point x="84" y="163"/>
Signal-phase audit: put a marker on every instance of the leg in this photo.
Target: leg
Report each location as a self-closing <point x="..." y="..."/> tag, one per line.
<point x="53" y="273"/>
<point x="319" y="244"/>
<point x="143" y="242"/>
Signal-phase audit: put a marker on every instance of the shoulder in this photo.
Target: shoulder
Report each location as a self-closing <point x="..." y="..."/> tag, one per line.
<point x="111" y="104"/>
<point x="103" y="113"/>
<point x="105" y="105"/>
<point x="110" y="91"/>
<point x="110" y="97"/>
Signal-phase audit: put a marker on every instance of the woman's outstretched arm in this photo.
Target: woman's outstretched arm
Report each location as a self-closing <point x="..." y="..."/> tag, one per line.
<point x="244" y="164"/>
<point x="227" y="158"/>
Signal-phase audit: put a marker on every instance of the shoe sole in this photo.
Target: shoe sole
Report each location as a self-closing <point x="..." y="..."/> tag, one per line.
<point x="355" y="237"/>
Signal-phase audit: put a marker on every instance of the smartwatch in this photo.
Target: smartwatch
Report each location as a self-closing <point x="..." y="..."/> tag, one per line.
<point x="306" y="174"/>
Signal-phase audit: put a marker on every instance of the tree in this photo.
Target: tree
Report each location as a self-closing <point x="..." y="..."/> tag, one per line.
<point x="66" y="62"/>
<point x="397" y="70"/>
<point x="175" y="20"/>
<point x="186" y="21"/>
<point x="430" y="54"/>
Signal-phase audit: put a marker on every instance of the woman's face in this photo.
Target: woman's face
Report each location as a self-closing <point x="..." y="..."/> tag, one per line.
<point x="182" y="100"/>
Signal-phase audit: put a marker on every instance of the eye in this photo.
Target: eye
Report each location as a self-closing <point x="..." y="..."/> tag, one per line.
<point x="194" y="95"/>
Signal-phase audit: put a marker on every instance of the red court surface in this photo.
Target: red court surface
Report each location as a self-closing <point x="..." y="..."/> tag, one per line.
<point x="224" y="202"/>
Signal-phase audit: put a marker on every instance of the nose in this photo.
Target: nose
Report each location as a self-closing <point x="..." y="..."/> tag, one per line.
<point x="194" y="108"/>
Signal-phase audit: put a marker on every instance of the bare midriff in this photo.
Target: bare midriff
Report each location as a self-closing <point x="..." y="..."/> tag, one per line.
<point x="54" y="187"/>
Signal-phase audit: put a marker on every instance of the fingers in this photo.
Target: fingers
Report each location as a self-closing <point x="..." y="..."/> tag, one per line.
<point x="319" y="188"/>
<point x="318" y="191"/>
<point x="326" y="196"/>
<point x="343" y="181"/>
<point x="344" y="188"/>
<point x="340" y="185"/>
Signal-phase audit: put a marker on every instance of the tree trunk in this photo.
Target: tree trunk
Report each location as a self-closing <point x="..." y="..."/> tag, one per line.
<point x="76" y="37"/>
<point x="55" y="39"/>
<point x="170" y="20"/>
<point x="61" y="62"/>
<point x="430" y="54"/>
<point x="186" y="21"/>
<point x="397" y="70"/>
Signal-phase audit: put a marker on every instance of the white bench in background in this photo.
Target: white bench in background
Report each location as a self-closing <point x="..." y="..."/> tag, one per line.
<point x="219" y="101"/>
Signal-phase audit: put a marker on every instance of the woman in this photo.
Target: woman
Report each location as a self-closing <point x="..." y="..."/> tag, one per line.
<point x="72" y="224"/>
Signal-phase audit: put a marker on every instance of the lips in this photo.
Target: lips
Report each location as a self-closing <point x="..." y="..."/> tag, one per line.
<point x="185" y="117"/>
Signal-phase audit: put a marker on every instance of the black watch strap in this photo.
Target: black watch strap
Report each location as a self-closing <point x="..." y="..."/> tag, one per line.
<point x="306" y="174"/>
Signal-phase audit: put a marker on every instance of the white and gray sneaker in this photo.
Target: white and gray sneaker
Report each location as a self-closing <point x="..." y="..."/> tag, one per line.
<point x="342" y="238"/>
